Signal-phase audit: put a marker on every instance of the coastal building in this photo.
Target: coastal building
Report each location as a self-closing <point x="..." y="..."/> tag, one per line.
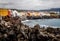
<point x="44" y="14"/>
<point x="33" y="14"/>
<point x="3" y="12"/>
<point x="15" y="13"/>
<point x="22" y="13"/>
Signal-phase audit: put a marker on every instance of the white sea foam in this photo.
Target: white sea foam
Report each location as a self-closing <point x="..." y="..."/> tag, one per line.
<point x="25" y="21"/>
<point x="48" y="26"/>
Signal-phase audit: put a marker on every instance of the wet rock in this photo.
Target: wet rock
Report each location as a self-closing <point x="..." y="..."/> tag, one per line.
<point x="58" y="36"/>
<point x="55" y="39"/>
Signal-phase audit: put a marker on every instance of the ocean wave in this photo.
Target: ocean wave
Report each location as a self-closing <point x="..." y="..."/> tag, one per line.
<point x="25" y="21"/>
<point x="48" y="26"/>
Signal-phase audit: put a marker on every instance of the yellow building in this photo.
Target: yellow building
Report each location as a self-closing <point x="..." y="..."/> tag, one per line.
<point x="36" y="14"/>
<point x="3" y="12"/>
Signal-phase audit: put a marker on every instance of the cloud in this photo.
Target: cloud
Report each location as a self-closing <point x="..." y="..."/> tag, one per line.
<point x="30" y="4"/>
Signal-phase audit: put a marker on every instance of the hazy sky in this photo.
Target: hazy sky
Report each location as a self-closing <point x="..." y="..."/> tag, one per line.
<point x="30" y="4"/>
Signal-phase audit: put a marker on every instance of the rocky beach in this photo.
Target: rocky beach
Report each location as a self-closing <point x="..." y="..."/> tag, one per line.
<point x="12" y="29"/>
<point x="29" y="20"/>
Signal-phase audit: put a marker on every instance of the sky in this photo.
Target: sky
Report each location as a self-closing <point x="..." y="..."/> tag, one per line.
<point x="30" y="4"/>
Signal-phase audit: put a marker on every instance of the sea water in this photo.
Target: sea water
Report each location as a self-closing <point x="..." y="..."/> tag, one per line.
<point x="43" y="22"/>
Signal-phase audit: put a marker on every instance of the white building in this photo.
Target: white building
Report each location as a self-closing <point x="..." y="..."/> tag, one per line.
<point x="15" y="13"/>
<point x="44" y="14"/>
